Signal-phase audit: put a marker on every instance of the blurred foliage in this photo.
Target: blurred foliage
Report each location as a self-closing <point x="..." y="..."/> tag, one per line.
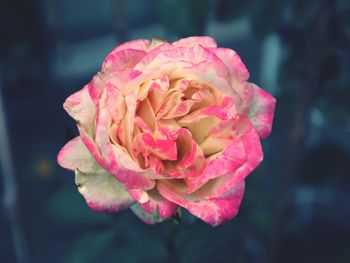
<point x="68" y="207"/>
<point x="184" y="18"/>
<point x="327" y="164"/>
<point x="90" y="247"/>
<point x="232" y="9"/>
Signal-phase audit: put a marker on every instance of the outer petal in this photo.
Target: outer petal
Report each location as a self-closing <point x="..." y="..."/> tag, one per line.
<point x="208" y="73"/>
<point x="204" y="41"/>
<point x="233" y="62"/>
<point x="213" y="211"/>
<point x="146" y="217"/>
<point x="92" y="147"/>
<point x="123" y="59"/>
<point x="139" y="44"/>
<point x="96" y="87"/>
<point x="102" y="191"/>
<point x="115" y="103"/>
<point x="259" y="106"/>
<point x="81" y="108"/>
<point x="196" y="63"/>
<point x="74" y="155"/>
<point x="152" y="201"/>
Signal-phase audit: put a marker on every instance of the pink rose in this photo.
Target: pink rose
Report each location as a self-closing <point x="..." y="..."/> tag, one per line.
<point x="168" y="125"/>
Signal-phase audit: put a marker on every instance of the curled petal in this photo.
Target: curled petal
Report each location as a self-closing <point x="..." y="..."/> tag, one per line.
<point x="191" y="159"/>
<point x="196" y="63"/>
<point x="204" y="41"/>
<point x="117" y="160"/>
<point x="138" y="44"/>
<point x="212" y="145"/>
<point x="213" y="211"/>
<point x="178" y="108"/>
<point x="102" y="191"/>
<point x="92" y="147"/>
<point x="152" y="201"/>
<point x="228" y="168"/>
<point x="96" y="88"/>
<point x="145" y="112"/>
<point x="74" y="155"/>
<point x="81" y="108"/>
<point x="238" y="70"/>
<point x="259" y="106"/>
<point x="159" y="85"/>
<point x="221" y="184"/>
<point x="115" y="103"/>
<point x="163" y="149"/>
<point x="228" y="161"/>
<point x="200" y="122"/>
<point x="124" y="59"/>
<point x="146" y="217"/>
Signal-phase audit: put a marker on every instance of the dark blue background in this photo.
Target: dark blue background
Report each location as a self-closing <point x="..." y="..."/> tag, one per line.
<point x="296" y="207"/>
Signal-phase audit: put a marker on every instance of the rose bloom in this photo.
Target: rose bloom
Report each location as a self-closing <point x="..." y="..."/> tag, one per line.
<point x="168" y="125"/>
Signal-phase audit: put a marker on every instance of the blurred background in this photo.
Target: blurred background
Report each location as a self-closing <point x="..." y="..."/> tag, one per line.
<point x="296" y="207"/>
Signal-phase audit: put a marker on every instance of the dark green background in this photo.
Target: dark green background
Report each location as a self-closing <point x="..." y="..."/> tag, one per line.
<point x="296" y="206"/>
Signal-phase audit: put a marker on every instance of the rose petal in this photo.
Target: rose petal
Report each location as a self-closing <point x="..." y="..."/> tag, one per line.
<point x="138" y="44"/>
<point x="203" y="98"/>
<point x="92" y="147"/>
<point x="163" y="149"/>
<point x="211" y="72"/>
<point x="200" y="122"/>
<point x="191" y="159"/>
<point x="228" y="161"/>
<point x="74" y="155"/>
<point x="229" y="167"/>
<point x="152" y="201"/>
<point x="145" y="112"/>
<point x="253" y="154"/>
<point x="238" y="70"/>
<point x="155" y="97"/>
<point x="211" y="111"/>
<point x="259" y="106"/>
<point x="96" y="87"/>
<point x="213" y="211"/>
<point x="160" y="84"/>
<point x="146" y="217"/>
<point x="102" y="191"/>
<point x="124" y="59"/>
<point x="81" y="108"/>
<point x="212" y="145"/>
<point x="196" y="63"/>
<point x="115" y="103"/>
<point x="204" y="41"/>
<point x="118" y="161"/>
<point x="178" y="108"/>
